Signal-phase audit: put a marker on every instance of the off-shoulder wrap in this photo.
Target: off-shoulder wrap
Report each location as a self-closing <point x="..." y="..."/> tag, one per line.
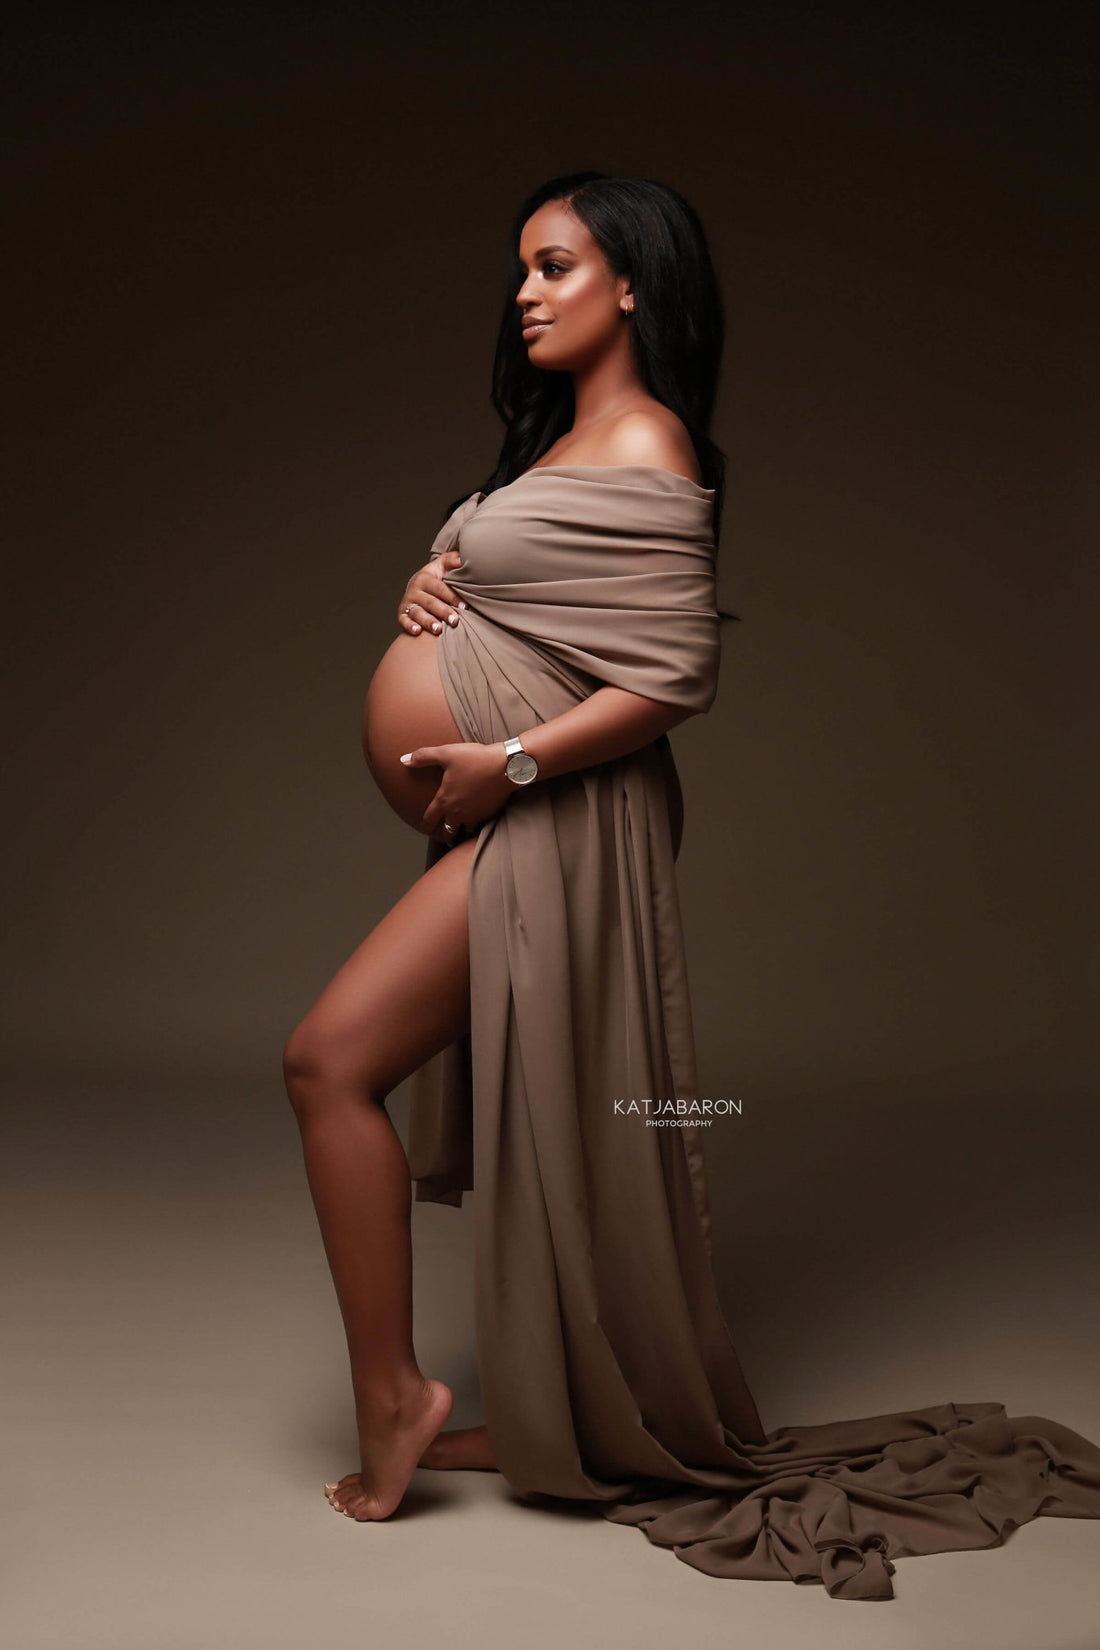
<point x="607" y="1370"/>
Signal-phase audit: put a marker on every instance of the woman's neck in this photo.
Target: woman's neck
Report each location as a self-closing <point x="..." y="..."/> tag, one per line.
<point x="607" y="389"/>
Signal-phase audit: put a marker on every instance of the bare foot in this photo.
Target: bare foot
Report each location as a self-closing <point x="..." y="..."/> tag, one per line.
<point x="463" y="1448"/>
<point x="390" y="1447"/>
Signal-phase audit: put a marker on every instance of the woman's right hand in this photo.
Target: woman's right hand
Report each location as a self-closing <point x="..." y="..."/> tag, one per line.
<point x="433" y="602"/>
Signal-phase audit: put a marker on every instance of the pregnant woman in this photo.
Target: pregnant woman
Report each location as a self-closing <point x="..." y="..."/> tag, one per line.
<point x="532" y="982"/>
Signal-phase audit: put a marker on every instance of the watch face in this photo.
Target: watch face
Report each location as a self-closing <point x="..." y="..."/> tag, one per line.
<point x="521" y="768"/>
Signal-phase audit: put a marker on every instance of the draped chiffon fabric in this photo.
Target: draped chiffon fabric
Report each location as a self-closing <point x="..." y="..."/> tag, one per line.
<point x="608" y="1374"/>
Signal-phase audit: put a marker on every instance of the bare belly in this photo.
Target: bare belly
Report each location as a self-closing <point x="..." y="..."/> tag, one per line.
<point x="406" y="707"/>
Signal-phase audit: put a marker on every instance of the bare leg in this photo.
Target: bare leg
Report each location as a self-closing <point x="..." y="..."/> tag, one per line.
<point x="403" y="995"/>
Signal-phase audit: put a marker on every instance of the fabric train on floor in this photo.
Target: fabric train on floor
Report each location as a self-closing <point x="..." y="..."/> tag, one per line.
<point x="607" y="1370"/>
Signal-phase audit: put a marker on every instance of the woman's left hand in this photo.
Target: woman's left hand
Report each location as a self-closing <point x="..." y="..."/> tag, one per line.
<point x="474" y="785"/>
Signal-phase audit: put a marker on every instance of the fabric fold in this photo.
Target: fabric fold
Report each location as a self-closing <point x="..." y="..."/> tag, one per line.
<point x="608" y="1373"/>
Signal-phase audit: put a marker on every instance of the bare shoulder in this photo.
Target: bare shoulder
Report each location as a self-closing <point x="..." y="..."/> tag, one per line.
<point x="656" y="438"/>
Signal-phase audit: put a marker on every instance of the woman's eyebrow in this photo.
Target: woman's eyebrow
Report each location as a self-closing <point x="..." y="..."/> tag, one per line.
<point x="543" y="250"/>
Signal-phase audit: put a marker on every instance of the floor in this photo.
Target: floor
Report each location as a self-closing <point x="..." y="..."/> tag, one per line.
<point x="176" y="1396"/>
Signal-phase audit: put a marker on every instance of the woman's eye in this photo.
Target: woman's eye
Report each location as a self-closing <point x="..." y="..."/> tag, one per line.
<point x="550" y="264"/>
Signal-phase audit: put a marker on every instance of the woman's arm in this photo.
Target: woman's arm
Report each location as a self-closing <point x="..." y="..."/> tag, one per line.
<point x="474" y="786"/>
<point x="611" y="722"/>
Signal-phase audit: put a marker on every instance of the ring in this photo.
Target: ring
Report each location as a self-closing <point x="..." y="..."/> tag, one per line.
<point x="452" y="828"/>
<point x="407" y="609"/>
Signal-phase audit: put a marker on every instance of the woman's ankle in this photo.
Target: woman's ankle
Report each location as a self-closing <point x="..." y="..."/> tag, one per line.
<point x="385" y="1403"/>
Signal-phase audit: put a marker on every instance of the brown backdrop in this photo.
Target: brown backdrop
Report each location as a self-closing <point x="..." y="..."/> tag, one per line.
<point x="257" y="258"/>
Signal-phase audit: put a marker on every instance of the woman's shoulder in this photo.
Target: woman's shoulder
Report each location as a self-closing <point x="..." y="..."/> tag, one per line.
<point x="653" y="437"/>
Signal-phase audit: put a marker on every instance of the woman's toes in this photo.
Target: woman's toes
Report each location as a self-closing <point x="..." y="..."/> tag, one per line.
<point x="338" y="1491"/>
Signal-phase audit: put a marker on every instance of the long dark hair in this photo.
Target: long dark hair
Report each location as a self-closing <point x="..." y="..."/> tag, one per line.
<point x="646" y="230"/>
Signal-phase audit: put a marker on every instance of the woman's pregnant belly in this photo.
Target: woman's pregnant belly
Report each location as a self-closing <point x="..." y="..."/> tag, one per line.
<point x="406" y="707"/>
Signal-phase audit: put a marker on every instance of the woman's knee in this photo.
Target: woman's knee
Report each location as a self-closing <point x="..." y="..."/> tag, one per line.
<point x="320" y="1070"/>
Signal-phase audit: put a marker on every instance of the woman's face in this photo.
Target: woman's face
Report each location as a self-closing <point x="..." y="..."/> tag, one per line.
<point x="568" y="283"/>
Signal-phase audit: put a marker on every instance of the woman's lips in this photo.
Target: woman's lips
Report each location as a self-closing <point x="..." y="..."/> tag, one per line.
<point x="535" y="328"/>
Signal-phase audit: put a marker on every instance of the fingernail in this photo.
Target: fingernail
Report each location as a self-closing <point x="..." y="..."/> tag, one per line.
<point x="436" y="626"/>
<point x="462" y="604"/>
<point x="330" y="1486"/>
<point x="416" y="630"/>
<point x="407" y="756"/>
<point x="452" y="618"/>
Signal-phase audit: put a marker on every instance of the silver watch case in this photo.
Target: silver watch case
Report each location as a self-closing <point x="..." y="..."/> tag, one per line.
<point x="520" y="767"/>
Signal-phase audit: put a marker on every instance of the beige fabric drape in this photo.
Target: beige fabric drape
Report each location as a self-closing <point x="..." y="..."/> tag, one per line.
<point x="607" y="1370"/>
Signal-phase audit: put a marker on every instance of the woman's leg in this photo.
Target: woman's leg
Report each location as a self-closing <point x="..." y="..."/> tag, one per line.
<point x="401" y="997"/>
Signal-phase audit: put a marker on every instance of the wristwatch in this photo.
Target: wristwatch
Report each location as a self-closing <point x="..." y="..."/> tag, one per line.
<point x="521" y="766"/>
